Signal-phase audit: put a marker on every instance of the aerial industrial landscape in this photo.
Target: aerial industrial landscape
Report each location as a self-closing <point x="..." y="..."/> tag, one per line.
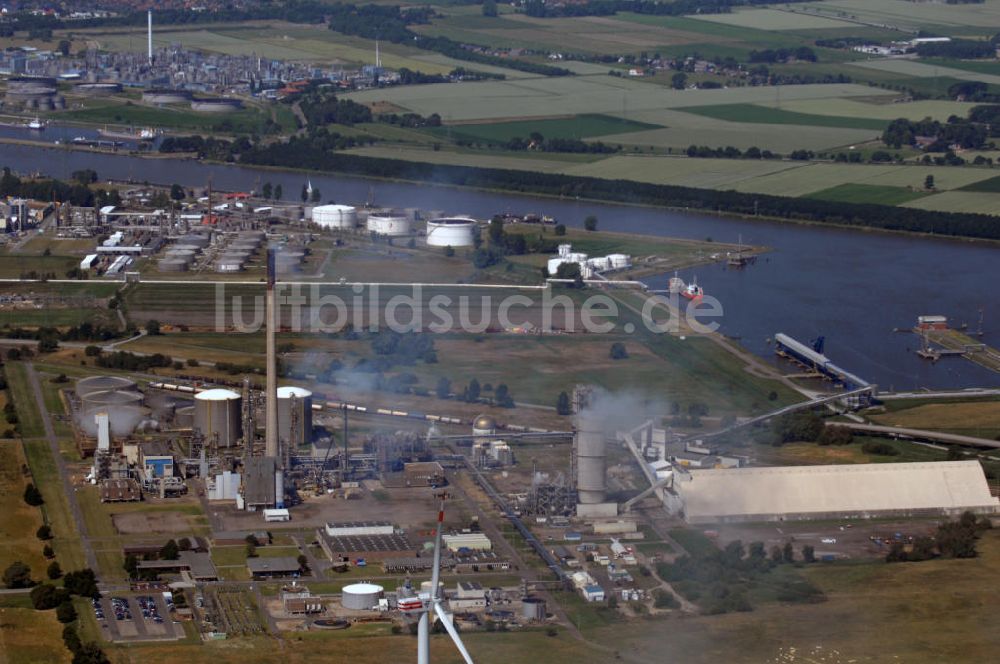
<point x="477" y="332"/>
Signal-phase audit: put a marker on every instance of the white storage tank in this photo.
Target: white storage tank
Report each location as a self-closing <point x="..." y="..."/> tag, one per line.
<point x="227" y="265"/>
<point x="336" y="217"/>
<point x="173" y="265"/>
<point x="388" y="224"/>
<point x="452" y="232"/>
<point x="218" y="413"/>
<point x="103" y="383"/>
<point x="361" y="596"/>
<point x="302" y="399"/>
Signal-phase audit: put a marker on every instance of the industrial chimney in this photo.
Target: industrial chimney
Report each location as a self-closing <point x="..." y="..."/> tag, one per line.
<point x="271" y="450"/>
<point x="590" y="461"/>
<point x="149" y="34"/>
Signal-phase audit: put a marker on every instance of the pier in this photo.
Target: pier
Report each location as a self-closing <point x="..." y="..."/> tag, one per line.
<point x="941" y="343"/>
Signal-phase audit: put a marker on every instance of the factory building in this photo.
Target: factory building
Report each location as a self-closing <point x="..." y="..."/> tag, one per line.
<point x="270" y="568"/>
<point x="589" y="266"/>
<point x="467" y="541"/>
<point x="832" y="492"/>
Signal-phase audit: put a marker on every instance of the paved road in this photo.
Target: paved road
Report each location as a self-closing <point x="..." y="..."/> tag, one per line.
<point x="68" y="488"/>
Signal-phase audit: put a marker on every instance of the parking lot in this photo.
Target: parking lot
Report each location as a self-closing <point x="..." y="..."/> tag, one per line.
<point x="136" y="617"/>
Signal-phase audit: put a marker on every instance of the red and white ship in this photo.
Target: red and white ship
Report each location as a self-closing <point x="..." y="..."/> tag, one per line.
<point x="693" y="291"/>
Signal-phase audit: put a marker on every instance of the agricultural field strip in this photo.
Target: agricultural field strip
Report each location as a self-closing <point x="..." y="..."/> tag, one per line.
<point x="780" y="178"/>
<point x="910" y="15"/>
<point x="925" y="70"/>
<point x="959" y="201"/>
<point x="775" y="19"/>
<point x="578" y="94"/>
<point x="914" y="110"/>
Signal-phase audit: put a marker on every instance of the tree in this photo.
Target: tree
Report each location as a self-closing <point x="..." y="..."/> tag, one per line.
<point x="251" y="550"/>
<point x="303" y="562"/>
<point x="44" y="533"/>
<point x="82" y="582"/>
<point x="152" y="327"/>
<point x="305" y="194"/>
<point x="490" y="8"/>
<point x="443" y="388"/>
<point x="590" y="223"/>
<point x="278" y="192"/>
<point x="48" y="345"/>
<point x="184" y="544"/>
<point x="809" y="553"/>
<point x="54" y="571"/>
<point x="563" y="406"/>
<point x="560" y="229"/>
<point x="472" y="392"/>
<point x="131" y="565"/>
<point x="90" y="653"/>
<point x="32" y="495"/>
<point x="17" y="575"/>
<point x="63" y="47"/>
<point x="47" y="596"/>
<point x="502" y="396"/>
<point x="929" y="182"/>
<point x="775" y="554"/>
<point x="316" y="196"/>
<point x="48" y="552"/>
<point x="71" y="639"/>
<point x="679" y="81"/>
<point x="267" y="190"/>
<point x="618" y="351"/>
<point x="177" y="192"/>
<point x="65" y="613"/>
<point x="788" y="553"/>
<point x="170" y="551"/>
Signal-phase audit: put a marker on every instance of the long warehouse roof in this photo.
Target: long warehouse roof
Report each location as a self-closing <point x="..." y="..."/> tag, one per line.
<point x="747" y="494"/>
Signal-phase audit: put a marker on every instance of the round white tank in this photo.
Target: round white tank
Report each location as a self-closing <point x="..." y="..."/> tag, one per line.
<point x="103" y="383"/>
<point x="361" y="596"/>
<point x="452" y="232"/>
<point x="303" y="408"/>
<point x="218" y="413"/>
<point x="336" y="217"/>
<point x="391" y="225"/>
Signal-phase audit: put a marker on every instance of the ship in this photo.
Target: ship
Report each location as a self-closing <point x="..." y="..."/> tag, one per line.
<point x="36" y="125"/>
<point x="145" y="134"/>
<point x="676" y="285"/>
<point x="693" y="291"/>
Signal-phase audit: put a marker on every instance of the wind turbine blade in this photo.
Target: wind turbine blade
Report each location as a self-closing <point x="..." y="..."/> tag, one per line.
<point x="453" y="633"/>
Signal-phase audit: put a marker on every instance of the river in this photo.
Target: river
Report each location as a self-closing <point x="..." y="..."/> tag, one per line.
<point x="852" y="287"/>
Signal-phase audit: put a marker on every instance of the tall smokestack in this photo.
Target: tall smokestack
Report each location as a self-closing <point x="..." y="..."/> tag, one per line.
<point x="149" y="34"/>
<point x="271" y="413"/>
<point x="591" y="464"/>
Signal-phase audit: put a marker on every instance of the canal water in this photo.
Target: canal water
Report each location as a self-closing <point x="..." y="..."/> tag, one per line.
<point x="851" y="287"/>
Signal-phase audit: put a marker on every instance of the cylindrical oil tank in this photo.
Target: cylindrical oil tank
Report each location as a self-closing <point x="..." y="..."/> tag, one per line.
<point x="533" y="609"/>
<point x="122" y="419"/>
<point x="185" y="247"/>
<point x="452" y="232"/>
<point x="173" y="265"/>
<point x="216" y="105"/>
<point x="250" y="245"/>
<point x="236" y="254"/>
<point x="361" y="596"/>
<point x="218" y="413"/>
<point x="336" y="217"/>
<point x="197" y="239"/>
<point x="103" y="384"/>
<point x="165" y="96"/>
<point x="591" y="463"/>
<point x="185" y="254"/>
<point x="302" y="400"/>
<point x="111" y="399"/>
<point x="388" y="224"/>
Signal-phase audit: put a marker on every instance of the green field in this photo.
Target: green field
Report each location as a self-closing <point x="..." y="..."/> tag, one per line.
<point x="989" y="185"/>
<point x="765" y="115"/>
<point x="866" y="193"/>
<point x="247" y="120"/>
<point x="942" y="18"/>
<point x="578" y="126"/>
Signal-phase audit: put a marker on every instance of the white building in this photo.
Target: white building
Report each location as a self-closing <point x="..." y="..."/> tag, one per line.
<point x="356" y="528"/>
<point x="470" y="541"/>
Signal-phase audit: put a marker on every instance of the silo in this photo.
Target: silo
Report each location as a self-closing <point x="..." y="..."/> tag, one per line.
<point x="302" y="399"/>
<point x="186" y="247"/>
<point x="361" y="596"/>
<point x="198" y="239"/>
<point x="451" y="232"/>
<point x="218" y="413"/>
<point x="590" y="462"/>
<point x="388" y="224"/>
<point x="335" y="217"/>
<point x="533" y="609"/>
<point x="122" y="419"/>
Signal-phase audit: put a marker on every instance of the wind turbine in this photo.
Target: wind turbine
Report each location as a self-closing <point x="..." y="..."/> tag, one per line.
<point x="423" y="604"/>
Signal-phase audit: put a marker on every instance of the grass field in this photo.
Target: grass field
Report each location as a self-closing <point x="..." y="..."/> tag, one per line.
<point x="987" y="186"/>
<point x="926" y="70"/>
<point x="765" y="115"/>
<point x="973" y="419"/>
<point x="775" y="19"/>
<point x="902" y="15"/>
<point x="31" y="637"/>
<point x="959" y="201"/>
<point x="18" y="521"/>
<point x="876" y="108"/>
<point x="247" y="120"/>
<point x="578" y="126"/>
<point x="867" y="193"/>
